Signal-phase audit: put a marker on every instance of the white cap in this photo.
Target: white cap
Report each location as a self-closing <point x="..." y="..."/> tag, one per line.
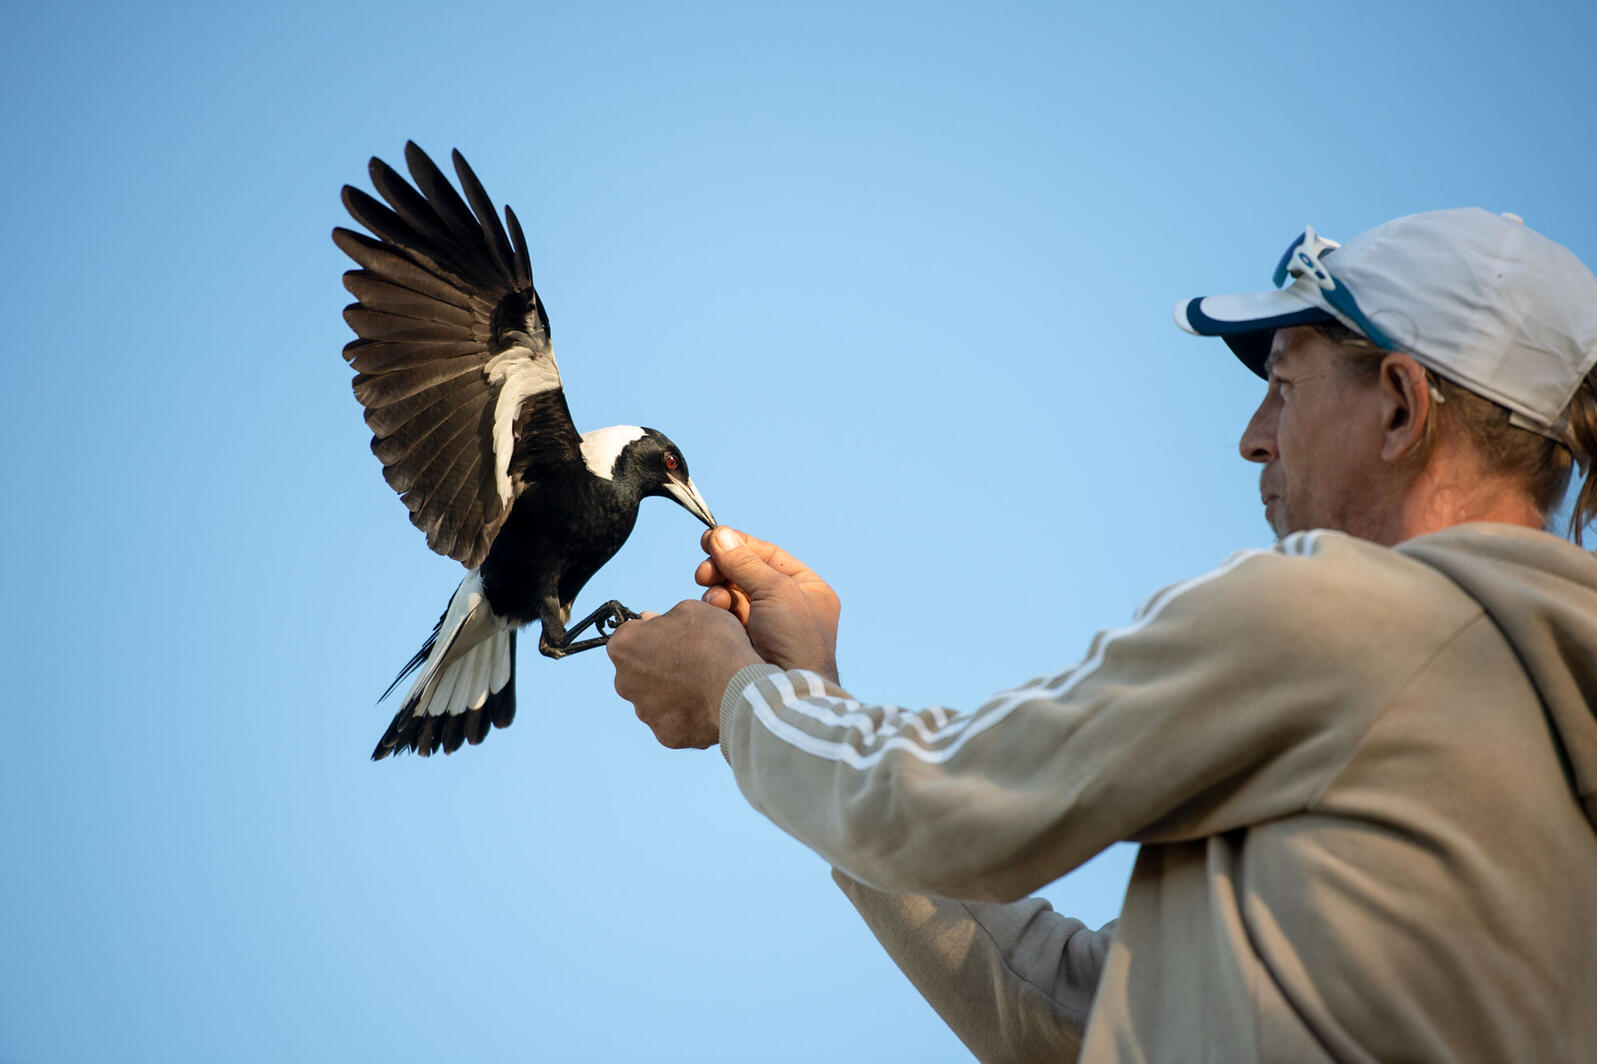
<point x="1479" y="298"/>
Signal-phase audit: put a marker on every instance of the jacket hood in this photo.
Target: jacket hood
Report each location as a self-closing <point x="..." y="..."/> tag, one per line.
<point x="1541" y="592"/>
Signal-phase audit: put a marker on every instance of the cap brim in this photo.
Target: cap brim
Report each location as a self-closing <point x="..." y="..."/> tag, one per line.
<point x="1248" y="322"/>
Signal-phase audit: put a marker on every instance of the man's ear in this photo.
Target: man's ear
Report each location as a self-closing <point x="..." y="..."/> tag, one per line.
<point x="1405" y="406"/>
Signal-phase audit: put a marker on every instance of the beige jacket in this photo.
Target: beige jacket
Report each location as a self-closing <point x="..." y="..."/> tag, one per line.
<point x="1365" y="785"/>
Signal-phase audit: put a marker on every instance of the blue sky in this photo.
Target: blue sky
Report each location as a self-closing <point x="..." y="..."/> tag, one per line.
<point x="897" y="278"/>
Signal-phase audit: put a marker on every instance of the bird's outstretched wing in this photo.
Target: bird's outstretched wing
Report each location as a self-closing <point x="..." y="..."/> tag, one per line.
<point x="454" y="364"/>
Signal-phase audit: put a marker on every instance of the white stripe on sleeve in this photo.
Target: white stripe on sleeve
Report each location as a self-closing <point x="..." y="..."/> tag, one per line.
<point x="936" y="735"/>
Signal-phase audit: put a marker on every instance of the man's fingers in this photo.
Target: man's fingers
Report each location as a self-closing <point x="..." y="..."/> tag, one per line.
<point x="707" y="575"/>
<point x="723" y="593"/>
<point x="729" y="597"/>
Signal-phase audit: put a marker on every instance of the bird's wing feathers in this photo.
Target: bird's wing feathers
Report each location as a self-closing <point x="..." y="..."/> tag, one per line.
<point x="453" y="344"/>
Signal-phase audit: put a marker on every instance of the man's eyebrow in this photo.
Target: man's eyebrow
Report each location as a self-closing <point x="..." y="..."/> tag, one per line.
<point x="1270" y="362"/>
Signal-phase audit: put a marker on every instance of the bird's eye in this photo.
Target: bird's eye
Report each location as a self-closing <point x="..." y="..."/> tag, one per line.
<point x="671" y="461"/>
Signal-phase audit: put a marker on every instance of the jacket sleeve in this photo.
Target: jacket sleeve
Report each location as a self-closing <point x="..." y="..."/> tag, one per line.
<point x="1015" y="982"/>
<point x="1227" y="702"/>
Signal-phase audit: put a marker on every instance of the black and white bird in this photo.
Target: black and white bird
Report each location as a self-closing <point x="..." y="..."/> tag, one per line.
<point x="468" y="416"/>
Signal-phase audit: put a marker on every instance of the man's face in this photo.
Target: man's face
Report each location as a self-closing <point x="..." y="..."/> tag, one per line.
<point x="1318" y="436"/>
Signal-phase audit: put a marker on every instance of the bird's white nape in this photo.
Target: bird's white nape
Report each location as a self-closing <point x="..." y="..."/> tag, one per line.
<point x="601" y="448"/>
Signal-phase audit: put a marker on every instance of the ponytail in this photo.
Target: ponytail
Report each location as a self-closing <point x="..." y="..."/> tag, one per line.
<point x="1582" y="417"/>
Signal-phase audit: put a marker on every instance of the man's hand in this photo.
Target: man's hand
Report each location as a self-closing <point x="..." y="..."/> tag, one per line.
<point x="673" y="668"/>
<point x="791" y="614"/>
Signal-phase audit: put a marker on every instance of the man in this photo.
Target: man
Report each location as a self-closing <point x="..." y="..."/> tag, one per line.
<point x="1362" y="766"/>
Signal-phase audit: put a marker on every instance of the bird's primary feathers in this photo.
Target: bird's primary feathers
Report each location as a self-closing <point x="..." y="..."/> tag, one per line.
<point x="469" y="417"/>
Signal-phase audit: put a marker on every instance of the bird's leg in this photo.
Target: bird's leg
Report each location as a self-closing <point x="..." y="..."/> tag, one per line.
<point x="558" y="644"/>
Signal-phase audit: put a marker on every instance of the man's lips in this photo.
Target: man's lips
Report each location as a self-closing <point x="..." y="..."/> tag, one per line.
<point x="1267" y="493"/>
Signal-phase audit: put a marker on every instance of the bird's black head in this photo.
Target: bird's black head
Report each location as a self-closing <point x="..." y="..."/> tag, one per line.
<point x="645" y="461"/>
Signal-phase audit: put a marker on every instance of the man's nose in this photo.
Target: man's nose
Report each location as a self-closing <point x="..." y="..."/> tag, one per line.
<point x="1258" y="439"/>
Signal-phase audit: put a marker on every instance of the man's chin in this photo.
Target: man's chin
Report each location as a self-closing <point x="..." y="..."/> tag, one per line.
<point x="1275" y="516"/>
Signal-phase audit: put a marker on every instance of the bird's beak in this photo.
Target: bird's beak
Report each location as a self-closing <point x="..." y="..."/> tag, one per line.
<point x="685" y="493"/>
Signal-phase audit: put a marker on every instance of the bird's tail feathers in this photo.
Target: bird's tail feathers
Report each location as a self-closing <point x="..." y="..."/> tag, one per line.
<point x="466" y="684"/>
<point x="418" y="659"/>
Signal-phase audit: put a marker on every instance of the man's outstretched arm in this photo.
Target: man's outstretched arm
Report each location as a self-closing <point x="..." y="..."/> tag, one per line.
<point x="1157" y="735"/>
<point x="1014" y="981"/>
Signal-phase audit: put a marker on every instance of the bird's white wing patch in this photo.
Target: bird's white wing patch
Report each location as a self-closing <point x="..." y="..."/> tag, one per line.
<point x="518" y="379"/>
<point x="601" y="448"/>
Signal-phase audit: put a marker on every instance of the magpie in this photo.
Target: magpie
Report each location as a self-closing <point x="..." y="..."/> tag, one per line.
<point x="461" y="391"/>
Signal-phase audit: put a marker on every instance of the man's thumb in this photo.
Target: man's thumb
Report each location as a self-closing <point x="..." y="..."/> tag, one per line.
<point x="738" y="563"/>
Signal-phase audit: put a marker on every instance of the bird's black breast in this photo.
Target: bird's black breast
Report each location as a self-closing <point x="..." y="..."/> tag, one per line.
<point x="557" y="536"/>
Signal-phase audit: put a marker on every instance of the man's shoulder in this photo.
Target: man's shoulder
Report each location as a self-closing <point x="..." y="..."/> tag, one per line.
<point x="1323" y="560"/>
<point x="1320" y="582"/>
<point x="1479" y="545"/>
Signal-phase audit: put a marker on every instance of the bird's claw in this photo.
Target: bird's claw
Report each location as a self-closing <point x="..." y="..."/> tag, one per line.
<point x="613" y="617"/>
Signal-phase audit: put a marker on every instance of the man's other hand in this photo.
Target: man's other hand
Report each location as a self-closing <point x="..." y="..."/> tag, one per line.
<point x="673" y="667"/>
